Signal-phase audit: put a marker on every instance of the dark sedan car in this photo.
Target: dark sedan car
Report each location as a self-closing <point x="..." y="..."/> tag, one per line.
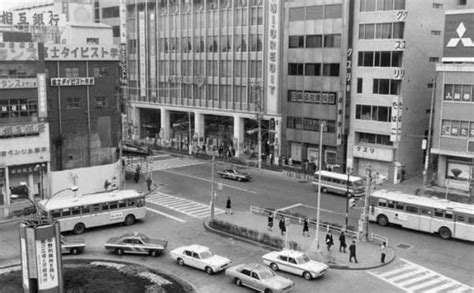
<point x="136" y="243"/>
<point x="234" y="174"/>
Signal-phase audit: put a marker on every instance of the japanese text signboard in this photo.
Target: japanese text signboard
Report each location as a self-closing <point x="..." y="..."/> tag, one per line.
<point x="14" y="83"/>
<point x="71" y="52"/>
<point x="18" y="51"/>
<point x="72" y="81"/>
<point x="273" y="36"/>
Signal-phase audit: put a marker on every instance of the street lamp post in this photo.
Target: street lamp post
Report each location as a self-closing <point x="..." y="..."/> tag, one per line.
<point x="212" y="187"/>
<point x="348" y="196"/>
<point x="321" y="126"/>
<point x="40" y="169"/>
<point x="366" y="205"/>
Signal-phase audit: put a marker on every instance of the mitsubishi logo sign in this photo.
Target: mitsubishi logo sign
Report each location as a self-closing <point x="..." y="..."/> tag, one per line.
<point x="466" y="42"/>
<point x="459" y="36"/>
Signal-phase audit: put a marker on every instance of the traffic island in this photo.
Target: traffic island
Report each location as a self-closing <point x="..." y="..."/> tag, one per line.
<point x="83" y="275"/>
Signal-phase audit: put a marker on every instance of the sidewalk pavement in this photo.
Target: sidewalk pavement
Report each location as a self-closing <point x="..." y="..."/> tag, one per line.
<point x="368" y="253"/>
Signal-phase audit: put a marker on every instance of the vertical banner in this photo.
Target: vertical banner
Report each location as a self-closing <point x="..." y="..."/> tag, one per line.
<point x="339" y="121"/>
<point x="42" y="106"/>
<point x="152" y="53"/>
<point x="142" y="52"/>
<point x="396" y="119"/>
<point x="273" y="37"/>
<point x="123" y="78"/>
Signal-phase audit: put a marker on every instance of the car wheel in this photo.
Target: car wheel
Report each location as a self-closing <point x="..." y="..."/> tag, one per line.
<point x="79" y="228"/>
<point x="444" y="233"/>
<point x="119" y="251"/>
<point x="307" y="276"/>
<point x="74" y="251"/>
<point x="180" y="261"/>
<point x="154" y="253"/>
<point x="268" y="291"/>
<point x="209" y="271"/>
<point x="129" y="220"/>
<point x="382" y="220"/>
<point x="274" y="266"/>
<point x="324" y="189"/>
<point x="239" y="179"/>
<point x="238" y="282"/>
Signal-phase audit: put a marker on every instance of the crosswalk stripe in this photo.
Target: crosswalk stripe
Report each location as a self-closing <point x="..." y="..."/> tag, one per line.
<point x="445" y="287"/>
<point x="416" y="280"/>
<point x="428" y="284"/>
<point x="394" y="272"/>
<point x="399" y="277"/>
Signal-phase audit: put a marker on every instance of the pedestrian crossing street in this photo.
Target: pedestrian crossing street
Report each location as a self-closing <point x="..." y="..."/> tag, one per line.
<point x="411" y="277"/>
<point x="160" y="162"/>
<point x="188" y="207"/>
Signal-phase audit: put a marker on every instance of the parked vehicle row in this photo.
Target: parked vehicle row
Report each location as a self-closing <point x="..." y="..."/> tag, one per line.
<point x="259" y="277"/>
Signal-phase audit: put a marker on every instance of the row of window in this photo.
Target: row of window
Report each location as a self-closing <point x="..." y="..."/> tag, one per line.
<point x="312" y="97"/>
<point x="389" y="30"/>
<point x="380" y="59"/>
<point x="76" y="72"/>
<point x="459" y="92"/>
<point x="97" y="208"/>
<point x="198" y="5"/>
<point x="315" y="12"/>
<point x="310" y="124"/>
<point x="75" y="102"/>
<point x="315" y="41"/>
<point x="374" y="113"/>
<point x="19" y="70"/>
<point x="224" y="68"/>
<point x="457" y="128"/>
<point x="313" y="69"/>
<point x="425" y="211"/>
<point x="386" y="86"/>
<point x="373" y="138"/>
<point x="14" y="108"/>
<point x="381" y="5"/>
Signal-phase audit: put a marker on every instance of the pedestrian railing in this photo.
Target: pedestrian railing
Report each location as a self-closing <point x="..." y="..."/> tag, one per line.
<point x="378" y="238"/>
<point x="277" y="215"/>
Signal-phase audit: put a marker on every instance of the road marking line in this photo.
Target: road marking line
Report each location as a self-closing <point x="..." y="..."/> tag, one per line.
<point x="437" y="280"/>
<point x="166" y="215"/>
<point x="290" y="207"/>
<point x="324" y="210"/>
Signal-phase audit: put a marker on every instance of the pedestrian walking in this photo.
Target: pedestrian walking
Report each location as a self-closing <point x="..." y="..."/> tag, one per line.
<point x="383" y="247"/>
<point x="137" y="173"/>
<point x="329" y="240"/>
<point x="282" y="226"/>
<point x="270" y="221"/>
<point x="148" y="183"/>
<point x="342" y="242"/>
<point x="306" y="227"/>
<point x="228" y="206"/>
<point x="352" y="252"/>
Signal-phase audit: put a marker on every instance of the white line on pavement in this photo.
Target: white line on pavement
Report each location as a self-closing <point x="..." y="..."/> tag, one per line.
<point x="166" y="215"/>
<point x="290" y="207"/>
<point x="324" y="210"/>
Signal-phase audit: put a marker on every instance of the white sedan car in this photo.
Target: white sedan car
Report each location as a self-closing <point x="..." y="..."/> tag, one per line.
<point x="200" y="257"/>
<point x="295" y="262"/>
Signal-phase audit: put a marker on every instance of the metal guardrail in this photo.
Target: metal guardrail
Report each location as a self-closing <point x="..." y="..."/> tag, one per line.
<point x="378" y="238"/>
<point x="299" y="221"/>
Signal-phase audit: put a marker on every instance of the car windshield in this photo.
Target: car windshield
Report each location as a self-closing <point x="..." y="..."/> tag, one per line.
<point x="144" y="238"/>
<point x="358" y="183"/>
<point x="206" y="254"/>
<point x="302" y="259"/>
<point x="266" y="274"/>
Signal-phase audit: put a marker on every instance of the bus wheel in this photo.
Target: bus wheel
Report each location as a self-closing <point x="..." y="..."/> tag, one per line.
<point x="444" y="233"/>
<point x="79" y="228"/>
<point x="129" y="220"/>
<point x="382" y="220"/>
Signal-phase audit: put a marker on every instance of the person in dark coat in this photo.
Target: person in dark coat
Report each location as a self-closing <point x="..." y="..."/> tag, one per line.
<point x="329" y="240"/>
<point x="228" y="206"/>
<point x="306" y="227"/>
<point x="342" y="243"/>
<point x="352" y="252"/>
<point x="270" y="221"/>
<point x="282" y="226"/>
<point x="148" y="183"/>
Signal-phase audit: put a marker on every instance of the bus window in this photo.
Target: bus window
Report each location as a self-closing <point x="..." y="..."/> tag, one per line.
<point x="76" y="210"/>
<point x="460" y="218"/>
<point x="95" y="208"/>
<point x="105" y="206"/>
<point x="122" y="204"/>
<point x="412" y="209"/>
<point x="86" y="209"/>
<point x="382" y="203"/>
<point x="426" y="212"/>
<point x="390" y="204"/>
<point x="113" y="205"/>
<point x="55" y="213"/>
<point x="337" y="181"/>
<point x="140" y="202"/>
<point x="471" y="221"/>
<point x="399" y="206"/>
<point x="439" y="213"/>
<point x="131" y="202"/>
<point x="66" y="212"/>
<point x="448" y="215"/>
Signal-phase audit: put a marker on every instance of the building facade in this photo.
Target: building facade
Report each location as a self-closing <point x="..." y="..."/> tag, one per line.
<point x="453" y="123"/>
<point x="203" y="73"/>
<point x="316" y="43"/>
<point x="24" y="130"/>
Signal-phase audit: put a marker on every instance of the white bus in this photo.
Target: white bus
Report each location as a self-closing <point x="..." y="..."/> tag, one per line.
<point x="337" y="183"/>
<point x="432" y="215"/>
<point x="93" y="210"/>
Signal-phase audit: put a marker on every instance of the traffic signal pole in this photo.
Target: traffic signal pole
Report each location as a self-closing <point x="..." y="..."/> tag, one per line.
<point x="348" y="197"/>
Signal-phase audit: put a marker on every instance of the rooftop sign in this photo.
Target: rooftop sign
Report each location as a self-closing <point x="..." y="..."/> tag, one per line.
<point x="459" y="36"/>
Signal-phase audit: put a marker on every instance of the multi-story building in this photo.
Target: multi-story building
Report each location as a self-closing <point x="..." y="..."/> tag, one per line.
<point x="453" y="123"/>
<point x="316" y="42"/>
<point x="24" y="131"/>
<point x="396" y="44"/>
<point x="204" y="71"/>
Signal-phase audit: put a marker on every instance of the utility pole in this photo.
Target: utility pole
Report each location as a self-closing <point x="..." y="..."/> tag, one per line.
<point x="366" y="205"/>
<point x="190" y="136"/>
<point x="428" y="139"/>
<point x="212" y="187"/>
<point x="348" y="196"/>
<point x="318" y="210"/>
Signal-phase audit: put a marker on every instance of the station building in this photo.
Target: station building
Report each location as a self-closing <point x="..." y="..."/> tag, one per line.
<point x="453" y="124"/>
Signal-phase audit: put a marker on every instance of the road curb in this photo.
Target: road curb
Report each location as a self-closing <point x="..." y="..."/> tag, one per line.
<point x="268" y="247"/>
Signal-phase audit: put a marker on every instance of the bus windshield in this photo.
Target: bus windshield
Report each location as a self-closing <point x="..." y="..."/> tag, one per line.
<point x="358" y="183"/>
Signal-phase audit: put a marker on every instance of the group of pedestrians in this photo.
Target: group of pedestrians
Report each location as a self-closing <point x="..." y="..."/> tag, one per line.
<point x="342" y="245"/>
